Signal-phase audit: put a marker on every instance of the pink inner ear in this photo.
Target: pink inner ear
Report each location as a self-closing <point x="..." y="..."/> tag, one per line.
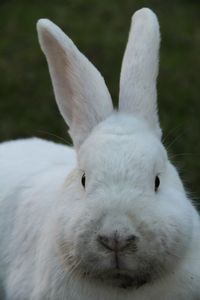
<point x="81" y="94"/>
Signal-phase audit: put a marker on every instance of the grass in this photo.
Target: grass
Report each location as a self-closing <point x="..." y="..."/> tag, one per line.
<point x="100" y="29"/>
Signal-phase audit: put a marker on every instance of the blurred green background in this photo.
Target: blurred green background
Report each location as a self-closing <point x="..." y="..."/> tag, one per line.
<point x="100" y="29"/>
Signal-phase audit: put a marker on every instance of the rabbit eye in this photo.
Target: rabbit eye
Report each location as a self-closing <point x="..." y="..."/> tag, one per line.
<point x="83" y="180"/>
<point x="157" y="183"/>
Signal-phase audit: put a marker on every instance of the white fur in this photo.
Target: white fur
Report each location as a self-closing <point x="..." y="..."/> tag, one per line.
<point x="50" y="224"/>
<point x="138" y="93"/>
<point x="74" y="79"/>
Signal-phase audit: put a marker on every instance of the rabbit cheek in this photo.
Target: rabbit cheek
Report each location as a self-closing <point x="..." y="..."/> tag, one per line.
<point x="161" y="250"/>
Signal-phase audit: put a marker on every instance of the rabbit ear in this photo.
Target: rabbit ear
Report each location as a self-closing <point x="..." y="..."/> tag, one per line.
<point x="81" y="94"/>
<point x="139" y="72"/>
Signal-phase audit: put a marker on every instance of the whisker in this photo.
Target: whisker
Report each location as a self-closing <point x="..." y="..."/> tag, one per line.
<point x="180" y="257"/>
<point x="66" y="142"/>
<point x="185" y="154"/>
<point x="176" y="128"/>
<point x="174" y="140"/>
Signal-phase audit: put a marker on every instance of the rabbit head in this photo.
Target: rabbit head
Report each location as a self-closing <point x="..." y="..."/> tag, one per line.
<point x="125" y="218"/>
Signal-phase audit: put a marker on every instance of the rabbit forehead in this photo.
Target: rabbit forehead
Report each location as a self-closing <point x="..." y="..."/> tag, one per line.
<point x="121" y="146"/>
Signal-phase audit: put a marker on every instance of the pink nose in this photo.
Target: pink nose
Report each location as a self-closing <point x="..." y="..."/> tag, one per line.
<point x="117" y="243"/>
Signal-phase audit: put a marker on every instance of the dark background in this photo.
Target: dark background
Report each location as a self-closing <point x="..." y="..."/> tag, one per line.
<point x="100" y="29"/>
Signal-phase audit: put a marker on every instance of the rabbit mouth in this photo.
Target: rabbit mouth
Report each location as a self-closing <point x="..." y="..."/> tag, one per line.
<point x="121" y="279"/>
<point x="125" y="281"/>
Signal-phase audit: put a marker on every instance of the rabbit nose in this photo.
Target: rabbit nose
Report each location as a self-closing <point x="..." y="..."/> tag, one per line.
<point x="117" y="243"/>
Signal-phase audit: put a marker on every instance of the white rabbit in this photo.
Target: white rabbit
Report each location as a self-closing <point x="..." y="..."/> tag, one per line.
<point x="111" y="220"/>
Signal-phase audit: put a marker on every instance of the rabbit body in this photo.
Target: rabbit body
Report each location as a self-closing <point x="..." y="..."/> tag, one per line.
<point x="33" y="199"/>
<point x="22" y="205"/>
<point x="109" y="218"/>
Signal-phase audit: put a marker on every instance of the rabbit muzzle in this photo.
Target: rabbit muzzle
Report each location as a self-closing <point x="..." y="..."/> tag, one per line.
<point x="110" y="253"/>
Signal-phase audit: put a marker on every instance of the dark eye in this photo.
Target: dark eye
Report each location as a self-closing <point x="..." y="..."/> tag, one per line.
<point x="83" y="180"/>
<point x="157" y="183"/>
